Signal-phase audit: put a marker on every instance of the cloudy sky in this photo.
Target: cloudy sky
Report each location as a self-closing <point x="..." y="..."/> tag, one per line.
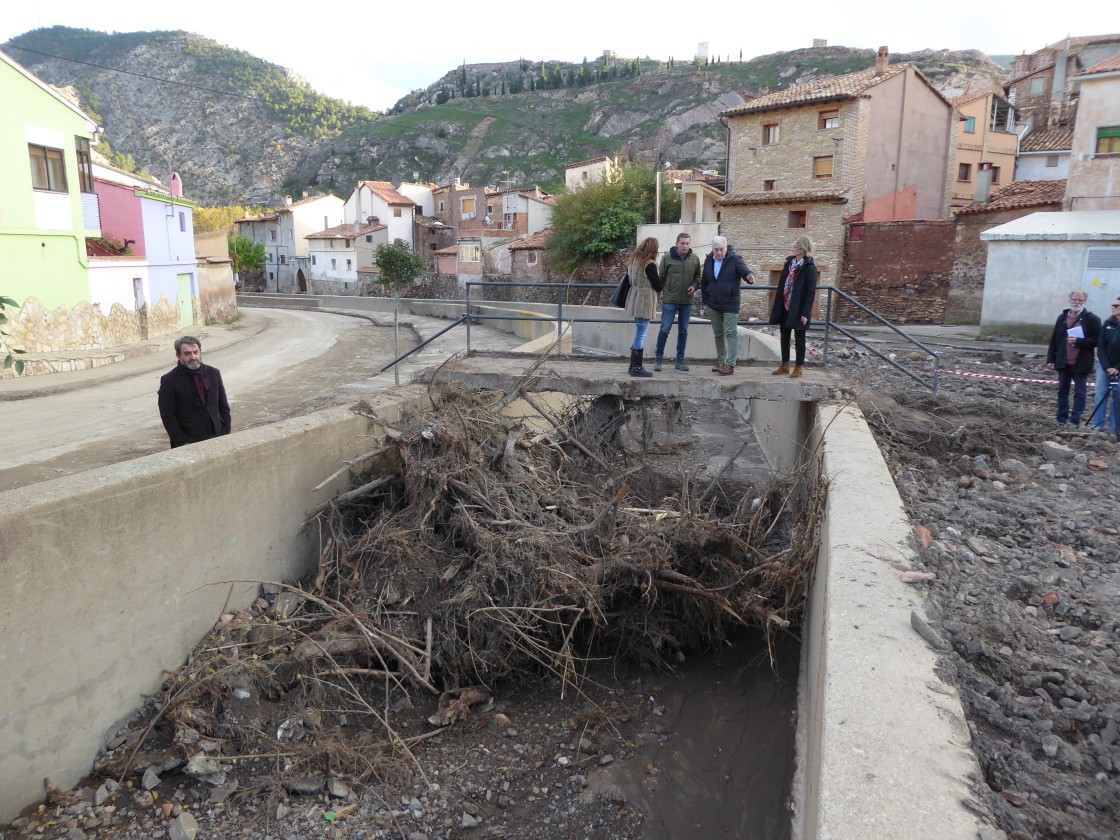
<point x="374" y="55"/>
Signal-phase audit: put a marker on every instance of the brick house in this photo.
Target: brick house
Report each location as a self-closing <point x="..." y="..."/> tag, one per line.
<point x="878" y="145"/>
<point x="1094" y="169"/>
<point x="986" y="144"/>
<point x="1042" y="87"/>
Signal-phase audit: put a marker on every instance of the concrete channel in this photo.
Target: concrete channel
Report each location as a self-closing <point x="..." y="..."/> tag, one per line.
<point x="109" y="581"/>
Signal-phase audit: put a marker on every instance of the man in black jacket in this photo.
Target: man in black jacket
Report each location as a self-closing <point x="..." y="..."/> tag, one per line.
<point x="1108" y="354"/>
<point x="719" y="287"/>
<point x="192" y="397"/>
<point x="1071" y="353"/>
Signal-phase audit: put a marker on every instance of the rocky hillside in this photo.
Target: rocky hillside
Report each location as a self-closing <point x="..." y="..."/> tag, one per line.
<point x="241" y="130"/>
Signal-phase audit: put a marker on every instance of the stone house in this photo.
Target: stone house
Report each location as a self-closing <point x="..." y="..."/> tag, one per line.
<point x="336" y="256"/>
<point x="379" y="203"/>
<point x="986" y="145"/>
<point x="585" y="172"/>
<point x="430" y="236"/>
<point x="1094" y="168"/>
<point x="874" y="146"/>
<point x="527" y="258"/>
<point x="284" y="231"/>
<point x="1042" y="88"/>
<point x="1044" y="155"/>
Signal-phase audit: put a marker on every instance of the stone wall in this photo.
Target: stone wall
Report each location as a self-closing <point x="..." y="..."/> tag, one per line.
<point x="901" y="270"/>
<point x="217" y="295"/>
<point x="163" y="318"/>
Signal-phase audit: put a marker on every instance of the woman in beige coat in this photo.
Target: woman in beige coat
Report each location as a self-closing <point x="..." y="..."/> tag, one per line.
<point x="641" y="303"/>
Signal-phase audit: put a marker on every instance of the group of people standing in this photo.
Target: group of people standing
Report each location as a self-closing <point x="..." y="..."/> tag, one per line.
<point x="1079" y="340"/>
<point x="679" y="275"/>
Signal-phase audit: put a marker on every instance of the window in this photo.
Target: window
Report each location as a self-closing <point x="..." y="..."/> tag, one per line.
<point x="469" y="252"/>
<point x="48" y="172"/>
<point x="1108" y="140"/>
<point x="770" y="134"/>
<point x="85" y="165"/>
<point x="313" y="259"/>
<point x="964" y="172"/>
<point x="396" y="212"/>
<point x="531" y="258"/>
<point x="466" y="208"/>
<point x="489" y="209"/>
<point x="441" y="207"/>
<point x="995" y="174"/>
<point x="348" y="264"/>
<point x="510" y="221"/>
<point x="1051" y="161"/>
<point x="767" y="186"/>
<point x="182" y="222"/>
<point x="272" y="235"/>
<point x="283" y="259"/>
<point x="829" y="119"/>
<point x="1037" y="84"/>
<point x="369" y="239"/>
<point x="334" y="263"/>
<point x="970" y="125"/>
<point x="796" y="219"/>
<point x="822" y="167"/>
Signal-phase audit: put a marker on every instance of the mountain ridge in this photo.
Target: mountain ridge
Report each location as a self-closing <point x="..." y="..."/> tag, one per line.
<point x="241" y="130"/>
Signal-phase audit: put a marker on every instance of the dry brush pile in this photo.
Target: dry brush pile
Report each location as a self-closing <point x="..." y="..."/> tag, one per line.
<point x="474" y="551"/>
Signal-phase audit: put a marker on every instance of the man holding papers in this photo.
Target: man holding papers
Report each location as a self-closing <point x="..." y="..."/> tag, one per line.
<point x="1071" y="353"/>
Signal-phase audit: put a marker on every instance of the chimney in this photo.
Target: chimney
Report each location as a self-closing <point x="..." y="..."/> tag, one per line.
<point x="357" y="226"/>
<point x="176" y="185"/>
<point x="882" y="60"/>
<point x="983" y="192"/>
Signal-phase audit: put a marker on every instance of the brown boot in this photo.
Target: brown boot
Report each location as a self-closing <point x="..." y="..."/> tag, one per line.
<point x="796" y="372"/>
<point x="780" y="369"/>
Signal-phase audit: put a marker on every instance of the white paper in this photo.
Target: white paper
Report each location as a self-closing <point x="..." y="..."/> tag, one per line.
<point x="1075" y="332"/>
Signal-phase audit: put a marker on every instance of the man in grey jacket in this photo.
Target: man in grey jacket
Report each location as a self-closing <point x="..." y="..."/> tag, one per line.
<point x="680" y="273"/>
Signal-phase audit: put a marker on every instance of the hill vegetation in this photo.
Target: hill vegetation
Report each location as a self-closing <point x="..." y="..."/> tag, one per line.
<point x="242" y="131"/>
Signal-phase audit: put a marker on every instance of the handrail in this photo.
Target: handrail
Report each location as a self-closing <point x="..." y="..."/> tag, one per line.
<point x="470" y="316"/>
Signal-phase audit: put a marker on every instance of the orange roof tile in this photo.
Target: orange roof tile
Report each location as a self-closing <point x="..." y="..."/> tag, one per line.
<point x="778" y="197"/>
<point x="533" y="242"/>
<point x="1052" y="140"/>
<point x="964" y="99"/>
<point x="345" y="231"/>
<point x="1109" y="65"/>
<point x="450" y="249"/>
<point x="848" y="86"/>
<point x="387" y="193"/>
<point x="1017" y="195"/>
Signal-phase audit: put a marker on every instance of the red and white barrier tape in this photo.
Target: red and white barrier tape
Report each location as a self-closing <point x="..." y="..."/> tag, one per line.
<point x="1007" y="378"/>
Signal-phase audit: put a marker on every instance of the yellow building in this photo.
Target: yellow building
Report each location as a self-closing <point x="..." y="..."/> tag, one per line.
<point x="986" y="146"/>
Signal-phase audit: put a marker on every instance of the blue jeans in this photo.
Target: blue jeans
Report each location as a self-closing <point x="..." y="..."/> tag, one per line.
<point x="642" y="325"/>
<point x="1080" y="382"/>
<point x="1101" y="414"/>
<point x="725" y="330"/>
<point x="681" y="312"/>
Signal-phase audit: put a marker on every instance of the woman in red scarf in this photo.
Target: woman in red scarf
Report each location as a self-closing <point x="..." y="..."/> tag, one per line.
<point x="793" y="304"/>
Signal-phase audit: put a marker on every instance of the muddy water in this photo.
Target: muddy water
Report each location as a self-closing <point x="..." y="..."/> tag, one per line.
<point x="725" y="767"/>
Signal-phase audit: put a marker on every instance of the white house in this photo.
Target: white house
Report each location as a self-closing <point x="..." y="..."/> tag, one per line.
<point x="526" y="211"/>
<point x="1035" y="261"/>
<point x="420" y="195"/>
<point x="586" y="172"/>
<point x="1044" y="155"/>
<point x="284" y="234"/>
<point x="379" y="203"/>
<point x="336" y="254"/>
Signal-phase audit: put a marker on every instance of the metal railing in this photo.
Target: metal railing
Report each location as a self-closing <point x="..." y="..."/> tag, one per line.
<point x="471" y="315"/>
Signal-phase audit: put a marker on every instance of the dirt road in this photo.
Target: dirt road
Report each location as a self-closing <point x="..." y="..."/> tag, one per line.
<point x="294" y="365"/>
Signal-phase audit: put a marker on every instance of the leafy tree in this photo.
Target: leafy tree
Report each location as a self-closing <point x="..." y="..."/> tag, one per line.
<point x="399" y="267"/>
<point x="9" y="360"/>
<point x="246" y="254"/>
<point x="600" y="218"/>
<point x="207" y="219"/>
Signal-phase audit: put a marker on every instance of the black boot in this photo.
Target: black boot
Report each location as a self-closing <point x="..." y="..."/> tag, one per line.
<point x="636" y="364"/>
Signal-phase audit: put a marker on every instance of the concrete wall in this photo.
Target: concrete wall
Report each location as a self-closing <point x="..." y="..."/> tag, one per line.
<point x="882" y="741"/>
<point x="115" y="574"/>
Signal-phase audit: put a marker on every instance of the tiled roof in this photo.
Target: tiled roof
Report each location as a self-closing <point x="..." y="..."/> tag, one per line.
<point x="830" y="89"/>
<point x="311" y="199"/>
<point x="533" y="242"/>
<point x="449" y="250"/>
<point x="1052" y="140"/>
<point x="1109" y="65"/>
<point x="777" y="197"/>
<point x="586" y="162"/>
<point x="387" y="193"/>
<point x="964" y="99"/>
<point x="1017" y="195"/>
<point x="345" y="231"/>
<point x="1029" y="73"/>
<point x="263" y="217"/>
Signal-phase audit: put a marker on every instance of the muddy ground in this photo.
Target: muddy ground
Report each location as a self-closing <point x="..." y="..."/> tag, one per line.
<point x="1017" y="519"/>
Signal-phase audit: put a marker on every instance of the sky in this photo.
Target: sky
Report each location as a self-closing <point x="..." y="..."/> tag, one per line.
<point x="374" y="55"/>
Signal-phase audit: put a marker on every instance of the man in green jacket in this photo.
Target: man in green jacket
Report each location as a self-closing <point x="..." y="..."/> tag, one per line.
<point x="680" y="272"/>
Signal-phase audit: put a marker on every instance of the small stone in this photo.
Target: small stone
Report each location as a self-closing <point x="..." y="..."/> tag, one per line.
<point x="151" y="779"/>
<point x="468" y="821"/>
<point x="183" y="827"/>
<point x="282" y="811"/>
<point x="338" y="788"/>
<point x="977" y="545"/>
<point x="1053" y="451"/>
<point x="606" y="759"/>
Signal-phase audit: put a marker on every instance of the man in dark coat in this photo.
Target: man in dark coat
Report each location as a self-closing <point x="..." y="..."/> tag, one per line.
<point x="1071" y="353"/>
<point x="720" y="279"/>
<point x="1108" y="354"/>
<point x="192" y="397"/>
